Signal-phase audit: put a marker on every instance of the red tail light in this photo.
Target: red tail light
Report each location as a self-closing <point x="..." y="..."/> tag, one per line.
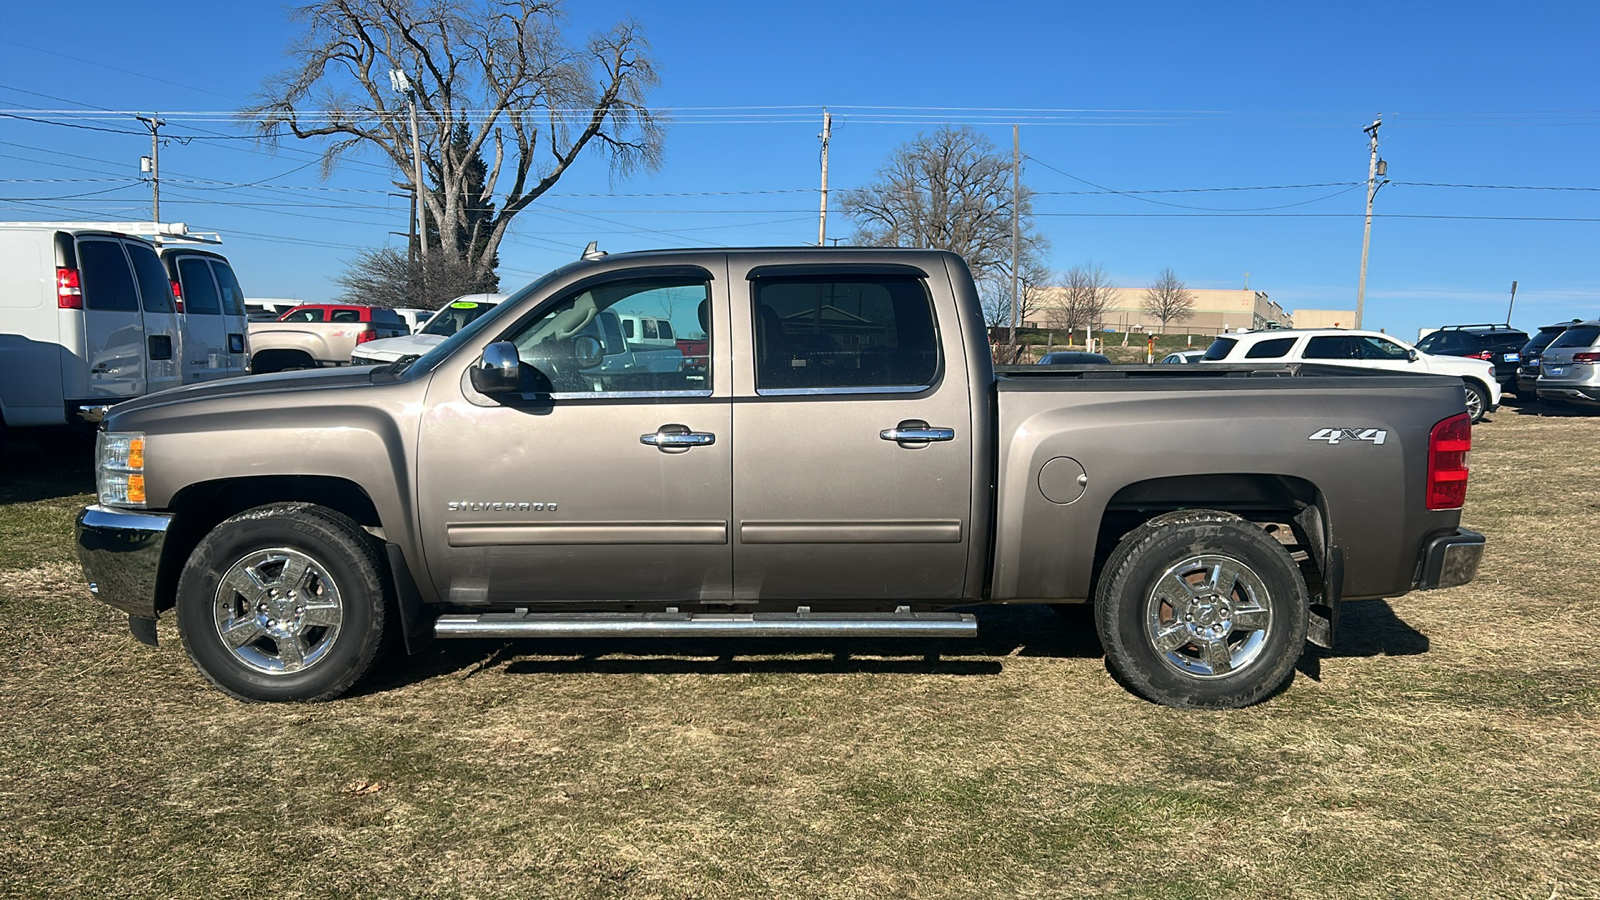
<point x="367" y="335"/>
<point x="1448" y="445"/>
<point x="1586" y="357"/>
<point x="177" y="295"/>
<point x="68" y="294"/>
<point x="1485" y="355"/>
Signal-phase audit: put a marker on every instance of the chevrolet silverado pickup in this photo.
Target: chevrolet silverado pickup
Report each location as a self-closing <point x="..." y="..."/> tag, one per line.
<point x="849" y="463"/>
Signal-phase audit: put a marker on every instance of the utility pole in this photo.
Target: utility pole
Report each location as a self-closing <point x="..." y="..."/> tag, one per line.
<point x="822" y="221"/>
<point x="1016" y="215"/>
<point x="154" y="124"/>
<point x="1375" y="168"/>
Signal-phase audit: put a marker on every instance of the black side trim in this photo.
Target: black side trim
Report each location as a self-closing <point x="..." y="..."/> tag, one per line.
<point x="812" y="270"/>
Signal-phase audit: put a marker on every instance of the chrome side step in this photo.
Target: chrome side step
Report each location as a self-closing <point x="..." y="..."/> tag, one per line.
<point x="800" y="623"/>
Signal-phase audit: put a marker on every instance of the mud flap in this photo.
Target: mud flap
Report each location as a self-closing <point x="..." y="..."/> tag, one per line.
<point x="1324" y="620"/>
<point x="416" y="626"/>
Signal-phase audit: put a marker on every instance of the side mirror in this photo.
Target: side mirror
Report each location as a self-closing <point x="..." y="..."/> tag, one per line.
<point x="498" y="371"/>
<point x="588" y="350"/>
<point x="1411" y="355"/>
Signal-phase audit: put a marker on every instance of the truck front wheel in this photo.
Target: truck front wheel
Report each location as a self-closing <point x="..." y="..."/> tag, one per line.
<point x="283" y="602"/>
<point x="1201" y="609"/>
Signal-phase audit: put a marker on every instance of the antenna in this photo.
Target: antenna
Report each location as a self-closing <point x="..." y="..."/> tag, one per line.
<point x="592" y="251"/>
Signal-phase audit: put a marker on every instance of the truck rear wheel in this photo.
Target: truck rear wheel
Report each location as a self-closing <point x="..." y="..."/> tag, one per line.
<point x="283" y="602"/>
<point x="1200" y="609"/>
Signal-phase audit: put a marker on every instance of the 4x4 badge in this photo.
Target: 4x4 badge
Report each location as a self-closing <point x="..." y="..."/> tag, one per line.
<point x="1335" y="435"/>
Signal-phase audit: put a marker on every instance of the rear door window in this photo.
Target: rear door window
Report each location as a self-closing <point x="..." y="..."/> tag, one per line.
<point x="232" y="296"/>
<point x="153" y="282"/>
<point x="303" y="315"/>
<point x="1331" y="347"/>
<point x="345" y="315"/>
<point x="869" y="333"/>
<point x="1277" y="348"/>
<point x="107" y="281"/>
<point x="199" y="291"/>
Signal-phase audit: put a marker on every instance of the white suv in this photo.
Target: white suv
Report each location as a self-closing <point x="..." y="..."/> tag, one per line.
<point x="1358" y="349"/>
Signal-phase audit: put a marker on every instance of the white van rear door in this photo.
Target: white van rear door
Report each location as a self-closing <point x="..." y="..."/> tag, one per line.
<point x="205" y="335"/>
<point x="235" y="325"/>
<point x="113" y="325"/>
<point x="163" y="326"/>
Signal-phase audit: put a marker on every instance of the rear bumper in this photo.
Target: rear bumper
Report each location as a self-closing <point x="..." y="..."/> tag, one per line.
<point x="1582" y="394"/>
<point x="1449" y="560"/>
<point x="121" y="555"/>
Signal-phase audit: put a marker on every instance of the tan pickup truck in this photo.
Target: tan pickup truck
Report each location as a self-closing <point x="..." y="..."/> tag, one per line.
<point x="318" y="335"/>
<point x="848" y="463"/>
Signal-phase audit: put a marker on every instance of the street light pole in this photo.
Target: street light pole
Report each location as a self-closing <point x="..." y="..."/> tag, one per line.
<point x="1375" y="167"/>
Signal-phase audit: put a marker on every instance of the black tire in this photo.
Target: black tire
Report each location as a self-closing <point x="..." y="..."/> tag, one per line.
<point x="246" y="578"/>
<point x="1477" y="401"/>
<point x="1243" y="642"/>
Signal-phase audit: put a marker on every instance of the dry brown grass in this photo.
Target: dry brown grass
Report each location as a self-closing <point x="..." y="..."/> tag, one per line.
<point x="1449" y="748"/>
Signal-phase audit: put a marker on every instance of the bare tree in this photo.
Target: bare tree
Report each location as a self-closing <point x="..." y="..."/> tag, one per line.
<point x="950" y="190"/>
<point x="386" y="276"/>
<point x="500" y="69"/>
<point x="1167" y="299"/>
<point x="1085" y="296"/>
<point x="1032" y="293"/>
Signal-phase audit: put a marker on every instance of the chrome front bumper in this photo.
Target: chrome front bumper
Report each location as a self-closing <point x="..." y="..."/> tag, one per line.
<point x="121" y="555"/>
<point x="1450" y="559"/>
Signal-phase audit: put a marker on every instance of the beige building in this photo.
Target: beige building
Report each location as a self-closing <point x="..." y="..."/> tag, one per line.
<point x="1214" y="312"/>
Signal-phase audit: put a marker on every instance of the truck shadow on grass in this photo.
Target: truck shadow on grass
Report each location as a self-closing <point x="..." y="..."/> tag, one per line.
<point x="1368" y="628"/>
<point x="34" y="473"/>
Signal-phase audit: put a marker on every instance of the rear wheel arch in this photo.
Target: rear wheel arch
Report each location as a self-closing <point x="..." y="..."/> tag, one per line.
<point x="1293" y="509"/>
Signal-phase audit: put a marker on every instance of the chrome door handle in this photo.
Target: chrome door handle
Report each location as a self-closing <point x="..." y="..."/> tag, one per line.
<point x="916" y="431"/>
<point x="668" y="436"/>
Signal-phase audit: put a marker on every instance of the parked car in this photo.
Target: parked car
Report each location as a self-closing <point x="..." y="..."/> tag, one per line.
<point x="846" y="470"/>
<point x="1570" y="365"/>
<point x="1072" y="358"/>
<point x="319" y="334"/>
<point x="87" y="319"/>
<point x="1497" y="344"/>
<point x="1183" y="357"/>
<point x="456" y="315"/>
<point x="1528" y="366"/>
<point x="1359" y="349"/>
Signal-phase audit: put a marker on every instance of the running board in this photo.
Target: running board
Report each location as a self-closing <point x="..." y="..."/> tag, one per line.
<point x="801" y="623"/>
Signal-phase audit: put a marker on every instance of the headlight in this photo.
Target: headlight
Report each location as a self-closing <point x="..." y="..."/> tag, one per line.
<point x="119" y="468"/>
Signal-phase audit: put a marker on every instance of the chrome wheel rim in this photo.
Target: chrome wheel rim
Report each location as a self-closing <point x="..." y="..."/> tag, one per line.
<point x="278" y="611"/>
<point x="1209" y="616"/>
<point x="1474" y="405"/>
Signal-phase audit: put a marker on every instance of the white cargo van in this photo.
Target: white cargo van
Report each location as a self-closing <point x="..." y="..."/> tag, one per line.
<point x="87" y="319"/>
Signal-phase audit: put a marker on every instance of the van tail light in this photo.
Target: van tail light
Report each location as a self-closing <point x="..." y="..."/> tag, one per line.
<point x="1586" y="357"/>
<point x="1448" y="445"/>
<point x="69" y="295"/>
<point x="177" y="295"/>
<point x="1485" y="355"/>
<point x="366" y="335"/>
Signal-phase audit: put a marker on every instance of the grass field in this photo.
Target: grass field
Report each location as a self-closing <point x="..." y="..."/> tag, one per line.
<point x="1450" y="747"/>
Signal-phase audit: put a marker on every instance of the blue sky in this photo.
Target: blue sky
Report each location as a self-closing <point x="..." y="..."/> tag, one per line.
<point x="1131" y="97"/>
